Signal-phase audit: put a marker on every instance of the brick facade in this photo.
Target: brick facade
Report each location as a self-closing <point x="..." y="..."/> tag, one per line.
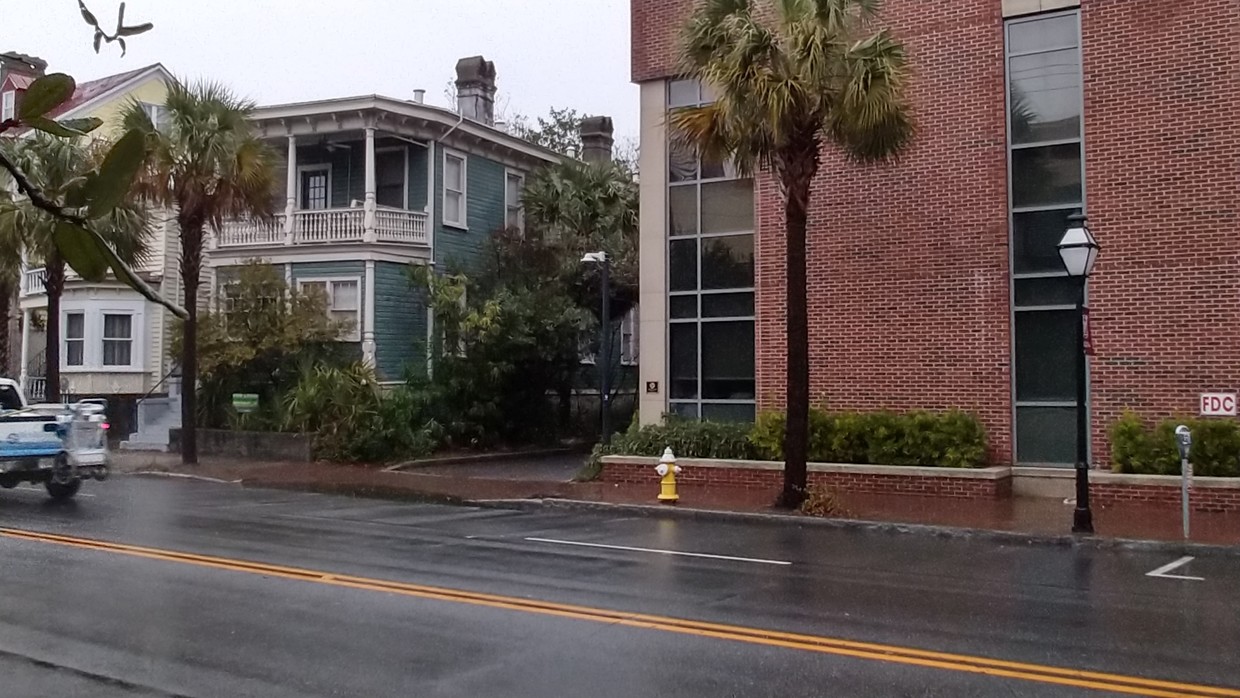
<point x="1202" y="499"/>
<point x="909" y="263"/>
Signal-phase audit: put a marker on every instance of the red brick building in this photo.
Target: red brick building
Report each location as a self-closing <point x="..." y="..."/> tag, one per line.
<point x="935" y="283"/>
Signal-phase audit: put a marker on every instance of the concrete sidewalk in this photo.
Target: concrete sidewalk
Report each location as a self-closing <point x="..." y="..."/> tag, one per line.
<point x="491" y="483"/>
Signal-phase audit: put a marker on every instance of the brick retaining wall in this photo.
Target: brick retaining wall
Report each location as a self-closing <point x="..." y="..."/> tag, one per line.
<point x="1221" y="495"/>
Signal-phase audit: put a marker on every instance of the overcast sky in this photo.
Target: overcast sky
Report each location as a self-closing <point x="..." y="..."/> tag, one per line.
<point x="561" y="53"/>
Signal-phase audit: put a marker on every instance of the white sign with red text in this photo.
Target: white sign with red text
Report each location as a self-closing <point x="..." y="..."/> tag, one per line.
<point x="1218" y="404"/>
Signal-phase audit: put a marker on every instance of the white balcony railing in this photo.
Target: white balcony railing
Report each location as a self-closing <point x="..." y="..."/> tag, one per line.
<point x="326" y="226"/>
<point x="332" y="225"/>
<point x="33" y="280"/>
<point x="395" y="225"/>
<point x="251" y="231"/>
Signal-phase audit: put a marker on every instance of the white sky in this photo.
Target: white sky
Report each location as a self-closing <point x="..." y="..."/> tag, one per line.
<point x="547" y="53"/>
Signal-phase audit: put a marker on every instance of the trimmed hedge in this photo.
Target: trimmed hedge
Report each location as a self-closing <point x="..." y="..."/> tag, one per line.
<point x="928" y="439"/>
<point x="950" y="439"/>
<point x="1142" y="449"/>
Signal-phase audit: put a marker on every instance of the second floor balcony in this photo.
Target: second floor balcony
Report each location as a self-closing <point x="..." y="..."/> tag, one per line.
<point x="390" y="225"/>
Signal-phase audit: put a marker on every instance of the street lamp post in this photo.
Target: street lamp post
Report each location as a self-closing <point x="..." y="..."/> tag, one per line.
<point x="1079" y="251"/>
<point x="604" y="352"/>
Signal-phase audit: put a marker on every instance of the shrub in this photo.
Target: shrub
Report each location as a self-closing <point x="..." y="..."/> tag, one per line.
<point x="688" y="439"/>
<point x="1138" y="448"/>
<point x="949" y="439"/>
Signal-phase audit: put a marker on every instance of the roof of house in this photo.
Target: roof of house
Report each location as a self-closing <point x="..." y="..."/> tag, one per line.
<point x="19" y="81"/>
<point x="92" y="89"/>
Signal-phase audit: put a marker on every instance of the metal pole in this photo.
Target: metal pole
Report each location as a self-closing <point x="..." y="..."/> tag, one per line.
<point x="1184" y="441"/>
<point x="1082" y="517"/>
<point x="605" y="354"/>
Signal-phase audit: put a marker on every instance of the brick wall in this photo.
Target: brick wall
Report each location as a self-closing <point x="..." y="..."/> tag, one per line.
<point x="1164" y="496"/>
<point x="772" y="481"/>
<point x="909" y="264"/>
<point x="1162" y="154"/>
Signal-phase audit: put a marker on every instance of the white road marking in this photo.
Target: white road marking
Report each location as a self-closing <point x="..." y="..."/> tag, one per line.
<point x="1162" y="571"/>
<point x="40" y="490"/>
<point x="656" y="551"/>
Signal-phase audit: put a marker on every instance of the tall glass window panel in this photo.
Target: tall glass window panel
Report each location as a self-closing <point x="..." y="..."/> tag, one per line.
<point x="682" y="208"/>
<point x="682" y="267"/>
<point x="1046" y="435"/>
<point x="727" y="262"/>
<point x="684" y="360"/>
<point x="1046" y="355"/>
<point x="728" y="360"/>
<point x="1046" y="176"/>
<point x="727" y="207"/>
<point x="1035" y="240"/>
<point x="1045" y="94"/>
<point x="1043" y="34"/>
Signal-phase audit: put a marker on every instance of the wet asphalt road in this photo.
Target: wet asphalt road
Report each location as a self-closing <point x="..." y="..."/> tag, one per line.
<point x="84" y="622"/>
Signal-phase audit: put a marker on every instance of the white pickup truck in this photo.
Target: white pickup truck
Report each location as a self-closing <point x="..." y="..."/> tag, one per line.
<point x="58" y="445"/>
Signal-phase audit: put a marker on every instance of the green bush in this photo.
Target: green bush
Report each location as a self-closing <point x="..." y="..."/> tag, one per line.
<point x="1138" y="448"/>
<point x="687" y="439"/>
<point x="949" y="439"/>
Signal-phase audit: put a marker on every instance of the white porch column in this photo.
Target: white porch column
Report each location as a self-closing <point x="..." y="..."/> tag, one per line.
<point x="23" y="378"/>
<point x="368" y="315"/>
<point x="290" y="203"/>
<point x="369" y="220"/>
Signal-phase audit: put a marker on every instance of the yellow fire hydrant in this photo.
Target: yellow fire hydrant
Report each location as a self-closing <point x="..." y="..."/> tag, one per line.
<point x="668" y="470"/>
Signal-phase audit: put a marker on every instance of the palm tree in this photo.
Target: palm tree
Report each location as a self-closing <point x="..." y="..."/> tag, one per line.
<point x="207" y="164"/>
<point x="817" y="75"/>
<point x="56" y="165"/>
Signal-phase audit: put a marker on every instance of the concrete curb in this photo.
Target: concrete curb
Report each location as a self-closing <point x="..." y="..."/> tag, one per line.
<point x="481" y="458"/>
<point x="181" y="476"/>
<point x="873" y="527"/>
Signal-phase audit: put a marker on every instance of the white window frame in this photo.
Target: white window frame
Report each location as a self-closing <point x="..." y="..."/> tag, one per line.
<point x="404" y="149"/>
<point x="301" y="170"/>
<point x="92" y="351"/>
<point x="104" y="338"/>
<point x="66" y="339"/>
<point x="463" y="223"/>
<point x="8" y="105"/>
<point x="329" y="282"/>
<point x="155" y="112"/>
<point x="509" y="205"/>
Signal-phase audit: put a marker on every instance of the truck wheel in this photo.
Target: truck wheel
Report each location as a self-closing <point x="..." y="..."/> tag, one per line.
<point x="61" y="491"/>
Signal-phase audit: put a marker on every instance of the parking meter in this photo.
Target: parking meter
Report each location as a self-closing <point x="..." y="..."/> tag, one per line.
<point x="1184" y="440"/>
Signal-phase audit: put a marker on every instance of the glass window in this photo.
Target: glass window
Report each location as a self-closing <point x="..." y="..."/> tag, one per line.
<point x="682" y="163"/>
<point x="1046" y="435"/>
<point x="727" y="305"/>
<point x="683" y="93"/>
<point x="1035" y="240"/>
<point x="727" y="207"/>
<point x="1046" y="290"/>
<point x="8" y="105"/>
<point x="315" y="189"/>
<point x="1046" y="355"/>
<point x="683" y="363"/>
<point x="728" y="412"/>
<point x="117" y="340"/>
<point x="1043" y="34"/>
<point x="683" y="261"/>
<point x="728" y="360"/>
<point x="75" y="339"/>
<point x="1046" y="176"/>
<point x="683" y="306"/>
<point x="685" y="410"/>
<point x="514" y="188"/>
<point x="727" y="262"/>
<point x="454" y="190"/>
<point x="1046" y="96"/>
<point x="682" y="206"/>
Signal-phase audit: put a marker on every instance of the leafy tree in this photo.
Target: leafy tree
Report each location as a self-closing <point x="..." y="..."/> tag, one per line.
<point x="818" y="75"/>
<point x="258" y="337"/>
<point x="559" y="131"/>
<point x="57" y="167"/>
<point x="10" y="277"/>
<point x="208" y="165"/>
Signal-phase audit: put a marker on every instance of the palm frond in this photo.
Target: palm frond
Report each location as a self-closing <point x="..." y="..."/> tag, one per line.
<point x="872" y="119"/>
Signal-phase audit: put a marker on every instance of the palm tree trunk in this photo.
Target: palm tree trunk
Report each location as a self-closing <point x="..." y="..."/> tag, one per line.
<point x="8" y="290"/>
<point x="191" y="270"/>
<point x="55" y="287"/>
<point x="796" y="438"/>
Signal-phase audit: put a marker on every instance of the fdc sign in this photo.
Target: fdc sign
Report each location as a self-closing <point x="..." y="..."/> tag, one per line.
<point x="1218" y="404"/>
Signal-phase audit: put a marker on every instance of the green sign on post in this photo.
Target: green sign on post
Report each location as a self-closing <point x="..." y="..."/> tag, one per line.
<point x="245" y="402"/>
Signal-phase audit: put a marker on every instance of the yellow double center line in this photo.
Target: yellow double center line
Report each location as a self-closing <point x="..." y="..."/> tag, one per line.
<point x="1116" y="683"/>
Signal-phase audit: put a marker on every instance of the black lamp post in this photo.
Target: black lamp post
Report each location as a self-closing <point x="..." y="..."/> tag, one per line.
<point x="1079" y="251"/>
<point x="604" y="350"/>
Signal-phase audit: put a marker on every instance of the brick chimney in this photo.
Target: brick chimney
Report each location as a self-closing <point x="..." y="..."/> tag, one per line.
<point x="597" y="139"/>
<point x="475" y="89"/>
